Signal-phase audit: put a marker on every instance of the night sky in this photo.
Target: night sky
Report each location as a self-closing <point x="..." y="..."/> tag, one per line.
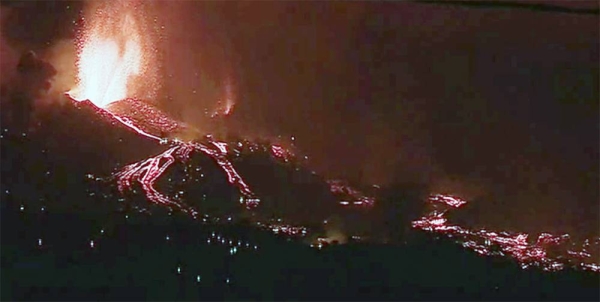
<point x="498" y="105"/>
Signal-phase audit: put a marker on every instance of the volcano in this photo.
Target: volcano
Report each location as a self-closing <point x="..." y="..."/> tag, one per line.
<point x="246" y="171"/>
<point x="240" y="178"/>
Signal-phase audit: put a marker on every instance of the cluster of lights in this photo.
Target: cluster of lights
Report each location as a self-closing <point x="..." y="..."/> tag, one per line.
<point x="515" y="245"/>
<point x="350" y="195"/>
<point x="234" y="245"/>
<point x="251" y="202"/>
<point x="281" y="153"/>
<point x="287" y="230"/>
<point x="321" y="243"/>
<point x="452" y="201"/>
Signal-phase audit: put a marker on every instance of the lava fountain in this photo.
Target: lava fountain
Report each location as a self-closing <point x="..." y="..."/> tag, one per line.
<point x="117" y="62"/>
<point x="114" y="56"/>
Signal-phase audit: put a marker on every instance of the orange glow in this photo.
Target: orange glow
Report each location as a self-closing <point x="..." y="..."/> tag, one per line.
<point x="228" y="108"/>
<point x="229" y="100"/>
<point x="229" y="97"/>
<point x="111" y="56"/>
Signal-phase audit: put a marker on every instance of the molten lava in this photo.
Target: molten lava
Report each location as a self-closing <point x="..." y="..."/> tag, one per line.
<point x="515" y="245"/>
<point x="111" y="55"/>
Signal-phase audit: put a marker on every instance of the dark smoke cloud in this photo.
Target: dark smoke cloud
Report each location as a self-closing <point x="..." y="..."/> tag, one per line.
<point x="30" y="30"/>
<point x="31" y="81"/>
<point x="37" y="25"/>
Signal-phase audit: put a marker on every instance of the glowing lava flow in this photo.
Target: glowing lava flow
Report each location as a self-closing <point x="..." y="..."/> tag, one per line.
<point x="112" y="57"/>
<point x="486" y="242"/>
<point x="148" y="171"/>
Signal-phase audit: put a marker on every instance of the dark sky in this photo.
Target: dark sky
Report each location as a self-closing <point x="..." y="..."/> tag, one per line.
<point x="497" y="105"/>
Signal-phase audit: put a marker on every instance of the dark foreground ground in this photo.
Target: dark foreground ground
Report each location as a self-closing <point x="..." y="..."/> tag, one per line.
<point x="170" y="258"/>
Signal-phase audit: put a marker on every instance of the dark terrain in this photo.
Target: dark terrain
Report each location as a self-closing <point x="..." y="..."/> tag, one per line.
<point x="96" y="246"/>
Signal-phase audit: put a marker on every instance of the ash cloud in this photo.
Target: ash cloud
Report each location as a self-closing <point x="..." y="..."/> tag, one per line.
<point x="497" y="106"/>
<point x="34" y="34"/>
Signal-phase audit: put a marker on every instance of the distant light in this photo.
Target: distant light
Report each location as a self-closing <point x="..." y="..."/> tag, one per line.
<point x="179" y="269"/>
<point x="22" y="208"/>
<point x="227" y="281"/>
<point x="92" y="243"/>
<point x="102" y="231"/>
<point x="198" y="278"/>
<point x="40" y="242"/>
<point x="168" y="238"/>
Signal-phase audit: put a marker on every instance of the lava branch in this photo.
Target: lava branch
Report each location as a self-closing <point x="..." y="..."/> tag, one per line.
<point x="508" y="244"/>
<point x="146" y="172"/>
<point x="232" y="175"/>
